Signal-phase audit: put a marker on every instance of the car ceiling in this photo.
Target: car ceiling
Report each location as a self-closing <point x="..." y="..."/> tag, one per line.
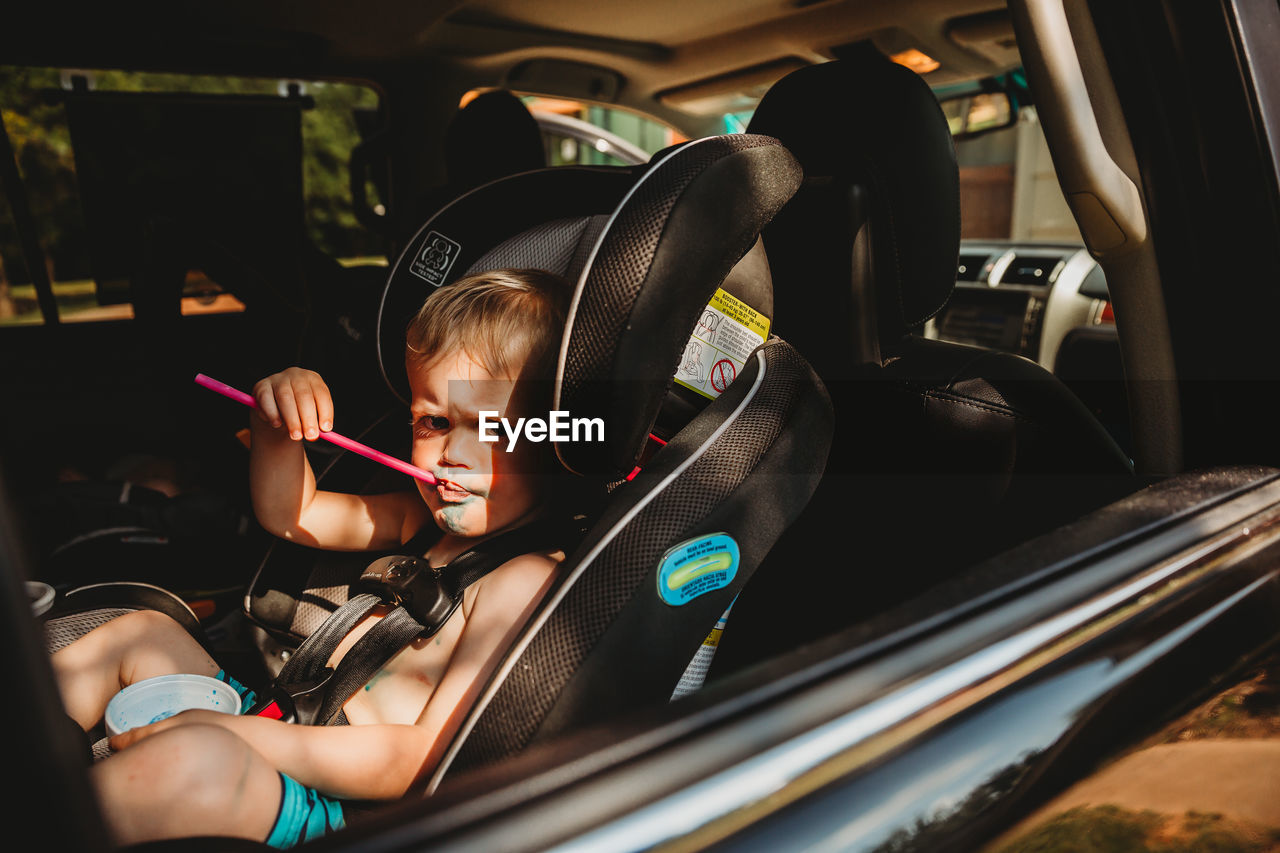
<point x="670" y="56"/>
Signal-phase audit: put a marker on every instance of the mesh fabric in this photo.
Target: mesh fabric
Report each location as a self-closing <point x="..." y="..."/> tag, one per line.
<point x="628" y="561"/>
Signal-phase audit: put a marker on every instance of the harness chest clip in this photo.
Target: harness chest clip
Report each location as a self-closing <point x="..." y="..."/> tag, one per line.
<point x="412" y="583"/>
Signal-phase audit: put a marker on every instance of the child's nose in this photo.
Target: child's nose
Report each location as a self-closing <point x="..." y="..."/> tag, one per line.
<point x="447" y="452"/>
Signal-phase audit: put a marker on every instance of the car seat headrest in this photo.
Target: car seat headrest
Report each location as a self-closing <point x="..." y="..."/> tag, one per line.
<point x="646" y="256"/>
<point x="868" y="129"/>
<point x="537" y="219"/>
<point x="492" y="136"/>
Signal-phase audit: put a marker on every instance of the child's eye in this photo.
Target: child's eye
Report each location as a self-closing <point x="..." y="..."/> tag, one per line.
<point x="431" y="423"/>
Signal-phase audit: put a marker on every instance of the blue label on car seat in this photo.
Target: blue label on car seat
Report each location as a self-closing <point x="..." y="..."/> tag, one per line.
<point x="696" y="567"/>
<point x="434" y="258"/>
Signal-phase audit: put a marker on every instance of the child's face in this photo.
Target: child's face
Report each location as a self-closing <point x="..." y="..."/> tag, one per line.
<point x="498" y="489"/>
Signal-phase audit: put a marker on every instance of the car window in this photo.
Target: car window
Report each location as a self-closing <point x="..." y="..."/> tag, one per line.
<point x="1008" y="186"/>
<point x="34" y="103"/>
<point x="577" y="133"/>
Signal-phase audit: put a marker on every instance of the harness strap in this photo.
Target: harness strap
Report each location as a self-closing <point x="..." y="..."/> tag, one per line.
<point x="308" y="660"/>
<point x="370" y="653"/>
<point x="305" y="678"/>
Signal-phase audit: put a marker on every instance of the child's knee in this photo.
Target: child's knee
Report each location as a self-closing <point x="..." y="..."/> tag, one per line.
<point x="144" y="625"/>
<point x="220" y="773"/>
<point x="110" y="640"/>
<point x="138" y="627"/>
<point x="188" y="780"/>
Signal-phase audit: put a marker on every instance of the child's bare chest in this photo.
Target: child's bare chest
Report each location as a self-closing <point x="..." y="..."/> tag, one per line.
<point x="399" y="691"/>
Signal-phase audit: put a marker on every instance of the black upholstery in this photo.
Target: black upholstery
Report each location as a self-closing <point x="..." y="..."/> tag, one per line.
<point x="881" y="179"/>
<point x="651" y="278"/>
<point x="944" y="453"/>
<point x="493" y="136"/>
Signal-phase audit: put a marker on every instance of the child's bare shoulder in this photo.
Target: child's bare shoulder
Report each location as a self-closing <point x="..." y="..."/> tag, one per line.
<point x="517" y="582"/>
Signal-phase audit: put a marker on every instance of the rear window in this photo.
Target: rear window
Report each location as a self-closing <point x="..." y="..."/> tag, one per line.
<point x="610" y="137"/>
<point x="88" y="144"/>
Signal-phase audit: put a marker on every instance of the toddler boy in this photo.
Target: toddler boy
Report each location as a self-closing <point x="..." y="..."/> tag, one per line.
<point x="485" y="343"/>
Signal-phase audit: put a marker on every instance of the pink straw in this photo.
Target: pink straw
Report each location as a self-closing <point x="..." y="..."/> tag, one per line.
<point x="331" y="437"/>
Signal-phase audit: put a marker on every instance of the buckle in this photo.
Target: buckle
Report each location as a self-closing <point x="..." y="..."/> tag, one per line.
<point x="293" y="703"/>
<point x="411" y="583"/>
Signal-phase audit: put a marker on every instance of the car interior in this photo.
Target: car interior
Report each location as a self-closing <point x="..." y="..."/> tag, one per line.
<point x="969" y="343"/>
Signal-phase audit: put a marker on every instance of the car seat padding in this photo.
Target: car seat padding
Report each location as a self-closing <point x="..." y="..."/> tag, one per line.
<point x="471" y="226"/>
<point x="607" y="643"/>
<point x="650" y="278"/>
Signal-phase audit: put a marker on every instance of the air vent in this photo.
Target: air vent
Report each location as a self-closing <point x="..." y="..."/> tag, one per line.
<point x="1031" y="269"/>
<point x="973" y="266"/>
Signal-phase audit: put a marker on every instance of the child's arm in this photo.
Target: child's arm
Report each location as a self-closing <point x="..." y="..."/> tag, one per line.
<point x="382" y="761"/>
<point x="375" y="762"/>
<point x="294" y="405"/>
<point x="505" y="600"/>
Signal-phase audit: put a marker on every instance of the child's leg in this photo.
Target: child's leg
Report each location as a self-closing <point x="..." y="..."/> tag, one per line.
<point x="188" y="781"/>
<point x="135" y="646"/>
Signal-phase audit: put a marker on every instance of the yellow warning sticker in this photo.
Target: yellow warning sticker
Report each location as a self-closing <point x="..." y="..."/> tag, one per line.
<point x="722" y="340"/>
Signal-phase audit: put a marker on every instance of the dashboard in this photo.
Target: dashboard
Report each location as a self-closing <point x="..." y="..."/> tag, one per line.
<point x="1046" y="302"/>
<point x="1022" y="298"/>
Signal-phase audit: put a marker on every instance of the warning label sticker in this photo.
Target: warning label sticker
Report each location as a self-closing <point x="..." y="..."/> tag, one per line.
<point x="434" y="258"/>
<point x="724" y="336"/>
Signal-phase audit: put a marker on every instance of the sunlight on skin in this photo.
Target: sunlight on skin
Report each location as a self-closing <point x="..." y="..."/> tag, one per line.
<point x="448" y="395"/>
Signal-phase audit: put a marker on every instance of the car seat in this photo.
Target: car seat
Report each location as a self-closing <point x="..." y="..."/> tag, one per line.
<point x="648" y="256"/>
<point x="548" y="212"/>
<point x="944" y="453"/>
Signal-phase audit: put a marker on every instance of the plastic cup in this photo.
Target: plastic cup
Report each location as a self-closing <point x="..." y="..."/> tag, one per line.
<point x="155" y="699"/>
<point x="41" y="595"/>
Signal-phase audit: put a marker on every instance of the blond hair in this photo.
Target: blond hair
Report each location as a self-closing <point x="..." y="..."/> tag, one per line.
<point x="501" y="318"/>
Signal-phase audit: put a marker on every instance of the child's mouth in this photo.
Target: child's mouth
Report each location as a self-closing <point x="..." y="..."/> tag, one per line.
<point x="451" y="492"/>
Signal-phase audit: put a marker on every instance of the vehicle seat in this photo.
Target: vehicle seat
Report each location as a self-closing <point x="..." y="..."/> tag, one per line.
<point x="646" y="267"/>
<point x="493" y="136"/>
<point x="944" y="453"/>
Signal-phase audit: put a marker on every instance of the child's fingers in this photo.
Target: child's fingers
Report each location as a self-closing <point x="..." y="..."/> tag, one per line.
<point x="287" y="403"/>
<point x="305" y="398"/>
<point x="264" y="395"/>
<point x="297" y="399"/>
<point x="324" y="403"/>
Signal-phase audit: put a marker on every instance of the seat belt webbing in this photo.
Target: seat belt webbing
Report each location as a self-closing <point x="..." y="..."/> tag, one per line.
<point x="307" y="666"/>
<point x="308" y="661"/>
<point x="369" y="654"/>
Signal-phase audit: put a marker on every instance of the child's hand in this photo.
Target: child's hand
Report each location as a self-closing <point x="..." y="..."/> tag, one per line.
<point x="297" y="399"/>
<point x="186" y="718"/>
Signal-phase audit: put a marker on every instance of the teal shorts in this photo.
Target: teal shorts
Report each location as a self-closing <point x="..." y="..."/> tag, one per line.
<point x="305" y="814"/>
